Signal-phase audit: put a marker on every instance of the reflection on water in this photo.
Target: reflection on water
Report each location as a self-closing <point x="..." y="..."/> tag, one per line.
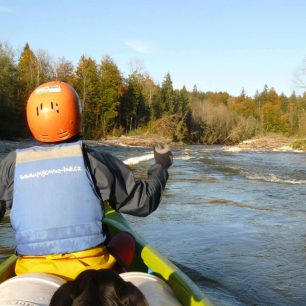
<point x="234" y="222"/>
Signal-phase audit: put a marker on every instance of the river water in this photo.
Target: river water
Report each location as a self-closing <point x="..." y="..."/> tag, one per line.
<point x="235" y="222"/>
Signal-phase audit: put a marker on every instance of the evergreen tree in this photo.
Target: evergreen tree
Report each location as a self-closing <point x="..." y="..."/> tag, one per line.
<point x="195" y="89"/>
<point x="28" y="80"/>
<point x="8" y="93"/>
<point x="156" y="110"/>
<point x="86" y="82"/>
<point x="133" y="108"/>
<point x="243" y="94"/>
<point x="284" y="103"/>
<point x="111" y="91"/>
<point x="128" y="105"/>
<point x="27" y="72"/>
<point x="167" y="95"/>
<point x="183" y="117"/>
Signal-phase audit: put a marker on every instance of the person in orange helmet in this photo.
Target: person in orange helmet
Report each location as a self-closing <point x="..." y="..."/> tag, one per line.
<point x="54" y="112"/>
<point x="56" y="190"/>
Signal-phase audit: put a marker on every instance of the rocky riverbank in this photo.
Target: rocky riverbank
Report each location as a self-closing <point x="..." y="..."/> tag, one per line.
<point x="139" y="141"/>
<point x="267" y="143"/>
<point x="277" y="144"/>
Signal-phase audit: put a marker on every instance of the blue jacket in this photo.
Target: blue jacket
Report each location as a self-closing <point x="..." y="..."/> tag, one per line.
<point x="55" y="206"/>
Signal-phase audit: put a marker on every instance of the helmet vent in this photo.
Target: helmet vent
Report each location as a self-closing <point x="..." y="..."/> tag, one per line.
<point x="56" y="106"/>
<point x="38" y="109"/>
<point x="44" y="136"/>
<point x="63" y="134"/>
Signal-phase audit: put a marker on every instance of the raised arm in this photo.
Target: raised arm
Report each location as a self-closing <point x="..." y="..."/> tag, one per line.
<point x="116" y="183"/>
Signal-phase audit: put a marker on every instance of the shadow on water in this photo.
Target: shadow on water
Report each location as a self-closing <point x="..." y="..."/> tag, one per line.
<point x="218" y="293"/>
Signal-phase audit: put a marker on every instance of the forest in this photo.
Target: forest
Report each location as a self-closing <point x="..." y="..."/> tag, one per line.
<point x="114" y="105"/>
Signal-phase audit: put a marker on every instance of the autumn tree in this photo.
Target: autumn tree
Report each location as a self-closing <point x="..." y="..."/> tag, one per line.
<point x="216" y="121"/>
<point x="216" y="98"/>
<point x="243" y="105"/>
<point x="44" y="67"/>
<point x="63" y="70"/>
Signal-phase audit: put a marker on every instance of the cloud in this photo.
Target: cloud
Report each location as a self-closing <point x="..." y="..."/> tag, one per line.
<point x="138" y="46"/>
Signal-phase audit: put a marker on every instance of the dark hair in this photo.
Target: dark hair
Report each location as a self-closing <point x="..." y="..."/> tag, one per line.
<point x="97" y="288"/>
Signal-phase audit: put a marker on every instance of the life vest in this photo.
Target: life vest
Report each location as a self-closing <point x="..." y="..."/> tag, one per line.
<point x="55" y="208"/>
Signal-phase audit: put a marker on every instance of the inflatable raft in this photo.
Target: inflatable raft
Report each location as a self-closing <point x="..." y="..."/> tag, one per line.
<point x="162" y="282"/>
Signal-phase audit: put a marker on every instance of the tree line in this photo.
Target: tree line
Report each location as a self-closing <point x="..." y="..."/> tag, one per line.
<point x="115" y="105"/>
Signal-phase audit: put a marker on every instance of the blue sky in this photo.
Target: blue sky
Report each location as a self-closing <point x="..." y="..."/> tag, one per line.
<point x="219" y="45"/>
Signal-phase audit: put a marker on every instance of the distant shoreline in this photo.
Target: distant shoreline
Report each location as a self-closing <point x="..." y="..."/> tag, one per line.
<point x="138" y="141"/>
<point x="266" y="143"/>
<point x="275" y="144"/>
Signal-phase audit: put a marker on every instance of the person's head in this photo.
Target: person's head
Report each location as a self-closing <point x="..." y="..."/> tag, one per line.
<point x="98" y="287"/>
<point x="54" y="112"/>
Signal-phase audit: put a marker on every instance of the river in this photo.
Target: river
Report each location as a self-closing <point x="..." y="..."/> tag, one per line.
<point x="235" y="222"/>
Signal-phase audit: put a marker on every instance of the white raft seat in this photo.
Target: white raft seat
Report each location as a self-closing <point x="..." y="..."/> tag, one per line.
<point x="37" y="289"/>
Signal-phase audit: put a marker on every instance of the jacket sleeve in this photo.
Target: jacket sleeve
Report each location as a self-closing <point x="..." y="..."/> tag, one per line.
<point x="7" y="170"/>
<point x="116" y="183"/>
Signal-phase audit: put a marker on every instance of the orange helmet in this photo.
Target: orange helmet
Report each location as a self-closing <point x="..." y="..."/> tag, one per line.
<point x="53" y="112"/>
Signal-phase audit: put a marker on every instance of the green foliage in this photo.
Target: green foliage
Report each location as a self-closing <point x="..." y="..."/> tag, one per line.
<point x="299" y="144"/>
<point x="167" y="95"/>
<point x="111" y="91"/>
<point x="113" y="105"/>
<point x="134" y="111"/>
<point x="86" y="82"/>
<point x="183" y="115"/>
<point x="8" y="93"/>
<point x="156" y="108"/>
<point x="271" y="118"/>
<point x="28" y="73"/>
